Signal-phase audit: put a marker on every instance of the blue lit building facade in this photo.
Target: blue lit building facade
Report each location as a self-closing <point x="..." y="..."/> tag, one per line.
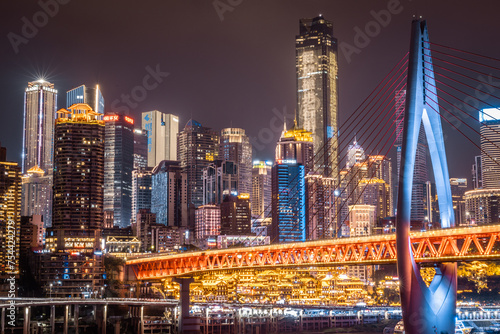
<point x="288" y="202"/>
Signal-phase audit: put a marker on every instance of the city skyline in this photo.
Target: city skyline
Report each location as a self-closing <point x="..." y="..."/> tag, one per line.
<point x="229" y="102"/>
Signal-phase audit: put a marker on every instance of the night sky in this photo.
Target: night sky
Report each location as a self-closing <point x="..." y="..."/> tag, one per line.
<point x="235" y="68"/>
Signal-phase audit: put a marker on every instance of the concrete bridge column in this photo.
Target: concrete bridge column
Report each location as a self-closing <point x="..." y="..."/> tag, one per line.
<point x="66" y="319"/>
<point x="76" y="315"/>
<point x="27" y="316"/>
<point x="53" y="319"/>
<point x="184" y="298"/>
<point x="141" y="320"/>
<point x="3" y="320"/>
<point x="104" y="318"/>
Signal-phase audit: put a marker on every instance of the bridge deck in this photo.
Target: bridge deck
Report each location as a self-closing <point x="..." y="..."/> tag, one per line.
<point x="442" y="245"/>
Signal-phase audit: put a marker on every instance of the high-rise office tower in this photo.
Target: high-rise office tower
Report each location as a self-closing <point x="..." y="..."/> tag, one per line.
<point x="79" y="169"/>
<point x="490" y="143"/>
<point x="140" y="149"/>
<point x="74" y="255"/>
<point x="88" y="95"/>
<point x="162" y="136"/>
<point x="288" y="203"/>
<point x="220" y="179"/>
<point x="296" y="144"/>
<point x="420" y="172"/>
<point x="376" y="192"/>
<point x="288" y="186"/>
<point x="320" y="207"/>
<point x="477" y="173"/>
<point x="40" y="103"/>
<point x="317" y="89"/>
<point x="141" y="190"/>
<point x="10" y="219"/>
<point x="362" y="222"/>
<point x="260" y="198"/>
<point x="234" y="145"/>
<point x="197" y="147"/>
<point x="458" y="189"/>
<point x="169" y="194"/>
<point x="118" y="165"/>
<point x="380" y="167"/>
<point x="235" y="215"/>
<point x="355" y="154"/>
<point x="37" y="194"/>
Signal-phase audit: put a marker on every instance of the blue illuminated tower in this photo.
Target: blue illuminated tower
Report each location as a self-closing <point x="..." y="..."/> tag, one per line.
<point x="294" y="153"/>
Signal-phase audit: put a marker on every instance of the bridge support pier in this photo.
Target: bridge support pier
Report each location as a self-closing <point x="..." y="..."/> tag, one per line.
<point x="104" y="319"/>
<point x="3" y="320"/>
<point x="27" y="315"/>
<point x="184" y="298"/>
<point x="76" y="315"/>
<point x="66" y="319"/>
<point x="53" y="319"/>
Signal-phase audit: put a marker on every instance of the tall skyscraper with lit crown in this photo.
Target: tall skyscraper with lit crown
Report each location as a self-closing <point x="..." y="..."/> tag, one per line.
<point x="317" y="90"/>
<point x="40" y="103"/>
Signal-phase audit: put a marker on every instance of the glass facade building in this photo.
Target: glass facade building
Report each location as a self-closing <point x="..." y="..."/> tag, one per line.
<point x="118" y="165"/>
<point x="197" y="148"/>
<point x="162" y="132"/>
<point x="88" y="95"/>
<point x="260" y="197"/>
<point x="234" y="145"/>
<point x="490" y="151"/>
<point x="288" y="203"/>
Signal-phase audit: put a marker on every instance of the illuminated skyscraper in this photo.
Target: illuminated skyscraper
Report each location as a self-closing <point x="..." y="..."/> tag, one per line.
<point x="207" y="221"/>
<point x="296" y="144"/>
<point x="355" y="154"/>
<point x="220" y="179"/>
<point x="235" y="215"/>
<point x="88" y="95"/>
<point x="38" y="142"/>
<point x="294" y="148"/>
<point x="162" y="136"/>
<point x="458" y="189"/>
<point x="317" y="89"/>
<point x="74" y="255"/>
<point x="197" y="147"/>
<point x="79" y="169"/>
<point x="37" y="194"/>
<point x="169" y="194"/>
<point x="260" y="197"/>
<point x="477" y="173"/>
<point x="288" y="202"/>
<point x="234" y="145"/>
<point x="490" y="143"/>
<point x="141" y="191"/>
<point x="40" y="103"/>
<point x="118" y="165"/>
<point x="140" y="149"/>
<point x="320" y="207"/>
<point x="10" y="219"/>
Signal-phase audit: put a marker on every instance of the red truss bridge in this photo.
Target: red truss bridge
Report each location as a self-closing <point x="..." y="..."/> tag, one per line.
<point x="443" y="245"/>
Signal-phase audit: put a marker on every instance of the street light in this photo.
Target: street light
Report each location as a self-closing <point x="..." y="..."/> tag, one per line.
<point x="50" y="293"/>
